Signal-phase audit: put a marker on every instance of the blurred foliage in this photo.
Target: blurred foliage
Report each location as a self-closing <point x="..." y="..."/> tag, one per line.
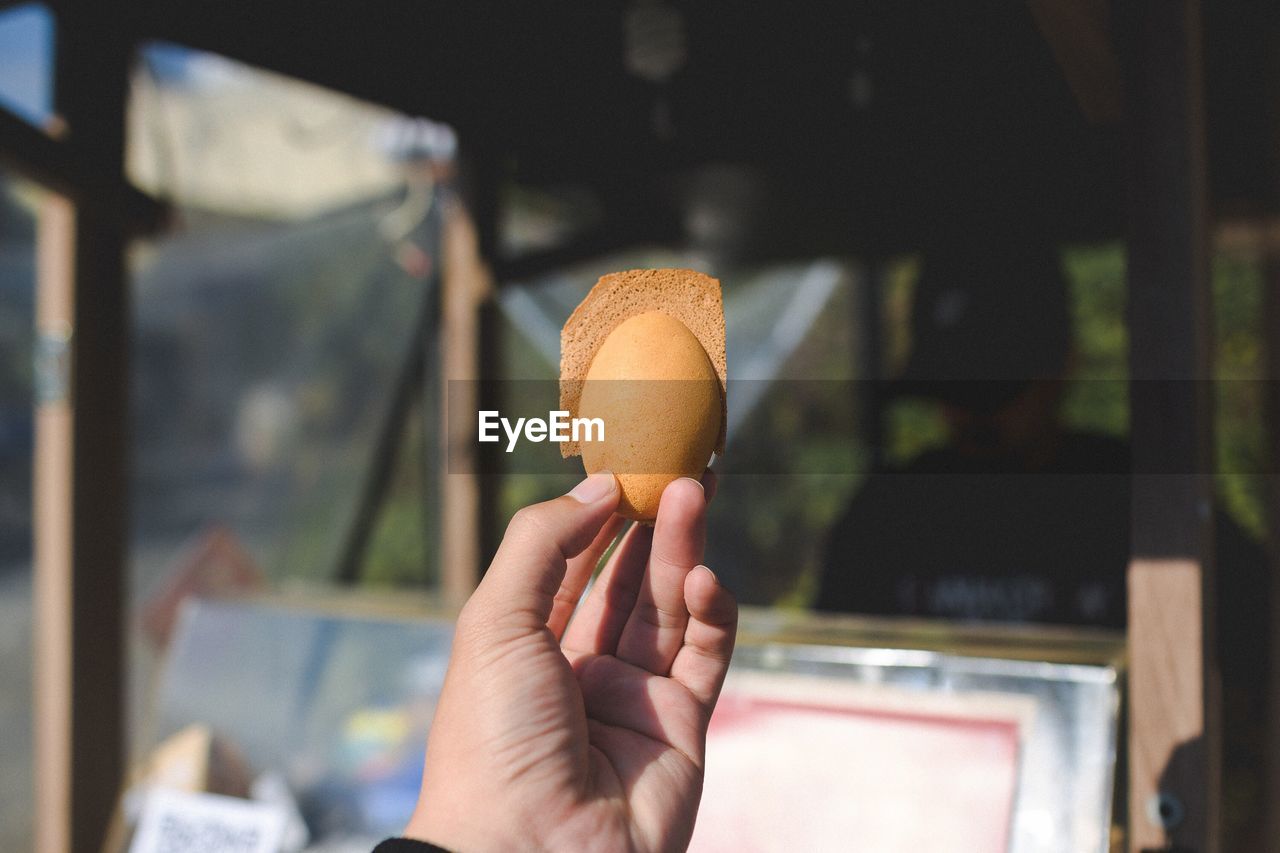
<point x="911" y="426"/>
<point x="1241" y="440"/>
<point x="1097" y="399"/>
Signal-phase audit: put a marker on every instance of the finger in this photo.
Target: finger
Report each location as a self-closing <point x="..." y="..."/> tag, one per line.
<point x="655" y="630"/>
<point x="577" y="574"/>
<point x="520" y="586"/>
<point x="703" y="660"/>
<point x="598" y="624"/>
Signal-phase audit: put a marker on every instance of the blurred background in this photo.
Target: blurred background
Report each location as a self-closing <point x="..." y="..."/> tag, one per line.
<point x="289" y="321"/>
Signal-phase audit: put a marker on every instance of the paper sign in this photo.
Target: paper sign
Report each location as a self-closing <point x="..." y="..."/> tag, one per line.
<point x="181" y="822"/>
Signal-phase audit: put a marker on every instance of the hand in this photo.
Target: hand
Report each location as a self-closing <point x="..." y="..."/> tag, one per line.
<point x="590" y="734"/>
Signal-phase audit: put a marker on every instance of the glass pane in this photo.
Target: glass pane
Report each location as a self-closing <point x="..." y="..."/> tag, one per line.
<point x="18" y="203"/>
<point x="337" y="705"/>
<point x="284" y="336"/>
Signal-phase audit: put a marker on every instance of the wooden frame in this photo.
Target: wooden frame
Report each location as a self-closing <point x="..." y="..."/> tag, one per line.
<point x="467" y="284"/>
<point x="52" y="162"/>
<point x="81" y="445"/>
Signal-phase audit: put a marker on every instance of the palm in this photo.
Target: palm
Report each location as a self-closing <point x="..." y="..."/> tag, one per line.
<point x="627" y="750"/>
<point x="593" y="731"/>
<point x="659" y="770"/>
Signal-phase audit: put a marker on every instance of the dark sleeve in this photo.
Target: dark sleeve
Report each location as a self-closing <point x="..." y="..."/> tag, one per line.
<point x="407" y="845"/>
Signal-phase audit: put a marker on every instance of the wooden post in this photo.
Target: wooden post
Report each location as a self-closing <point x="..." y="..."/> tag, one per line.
<point x="1271" y="339"/>
<point x="1174" y="784"/>
<point x="80" y="455"/>
<point x="1271" y="348"/>
<point x="53" y="488"/>
<point x="467" y="282"/>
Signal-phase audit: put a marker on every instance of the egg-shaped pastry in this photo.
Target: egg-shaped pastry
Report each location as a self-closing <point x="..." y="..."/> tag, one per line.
<point x="653" y="387"/>
<point x="644" y="354"/>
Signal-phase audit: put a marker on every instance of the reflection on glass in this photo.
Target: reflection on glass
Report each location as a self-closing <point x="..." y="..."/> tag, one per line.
<point x="336" y="707"/>
<point x="784" y="321"/>
<point x="272" y="323"/>
<point x="293" y="299"/>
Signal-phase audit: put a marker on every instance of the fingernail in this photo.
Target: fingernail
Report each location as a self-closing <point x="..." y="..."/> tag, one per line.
<point x="695" y="482"/>
<point x="713" y="574"/>
<point x="596" y="487"/>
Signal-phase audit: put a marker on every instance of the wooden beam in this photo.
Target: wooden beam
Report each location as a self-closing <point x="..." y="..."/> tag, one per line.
<point x="1174" y="784"/>
<point x="81" y="444"/>
<point x="52" y="163"/>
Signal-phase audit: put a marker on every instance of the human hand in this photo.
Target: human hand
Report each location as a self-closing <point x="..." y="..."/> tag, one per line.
<point x="588" y="734"/>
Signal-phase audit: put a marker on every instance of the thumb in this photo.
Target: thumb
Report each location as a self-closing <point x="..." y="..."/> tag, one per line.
<point x="520" y="586"/>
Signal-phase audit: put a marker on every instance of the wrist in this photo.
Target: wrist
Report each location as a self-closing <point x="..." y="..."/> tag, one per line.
<point x="461" y="836"/>
<point x="409" y="845"/>
<point x="420" y="828"/>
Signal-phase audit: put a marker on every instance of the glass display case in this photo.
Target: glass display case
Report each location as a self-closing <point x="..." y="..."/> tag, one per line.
<point x="830" y="731"/>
